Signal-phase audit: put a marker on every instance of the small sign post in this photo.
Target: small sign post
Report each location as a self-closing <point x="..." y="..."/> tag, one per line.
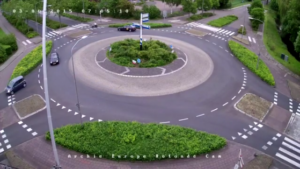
<point x="138" y="61"/>
<point x="144" y="18"/>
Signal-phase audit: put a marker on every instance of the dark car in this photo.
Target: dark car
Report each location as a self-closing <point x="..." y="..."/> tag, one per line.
<point x="15" y="84"/>
<point x="127" y="28"/>
<point x="54" y="59"/>
<point x="94" y="26"/>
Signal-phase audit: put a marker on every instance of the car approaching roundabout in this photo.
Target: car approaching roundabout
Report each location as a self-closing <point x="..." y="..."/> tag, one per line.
<point x="128" y="28"/>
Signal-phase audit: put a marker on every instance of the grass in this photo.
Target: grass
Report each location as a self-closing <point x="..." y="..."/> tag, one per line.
<point x="220" y="22"/>
<point x="77" y="18"/>
<point x="254" y="106"/>
<point x="31" y="61"/>
<point x="237" y="3"/>
<point x="274" y="44"/>
<point x="154" y="53"/>
<point x="2" y="33"/>
<point x="136" y="141"/>
<point x="197" y="17"/>
<point x="242" y="30"/>
<point x="152" y="25"/>
<point x="249" y="59"/>
<point x="294" y="90"/>
<point x="29" y="105"/>
<point x="259" y="162"/>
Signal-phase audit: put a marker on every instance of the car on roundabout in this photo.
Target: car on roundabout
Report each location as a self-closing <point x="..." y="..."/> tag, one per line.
<point x="15" y="85"/>
<point x="54" y="59"/>
<point x="95" y="25"/>
<point x="128" y="28"/>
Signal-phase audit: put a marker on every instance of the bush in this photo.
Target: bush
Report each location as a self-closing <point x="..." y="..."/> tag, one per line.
<point x="7" y="49"/>
<point x="9" y="40"/>
<point x="113" y="140"/>
<point x="77" y="18"/>
<point x="249" y="59"/>
<point x="154" y="53"/>
<point x="242" y="31"/>
<point x="220" y="22"/>
<point x="274" y="5"/>
<point x="200" y="16"/>
<point x="3" y="55"/>
<point x="50" y="23"/>
<point x="257" y="13"/>
<point x="31" y="61"/>
<point x="153" y="11"/>
<point x="21" y="26"/>
<point x="137" y="14"/>
<point x="152" y="25"/>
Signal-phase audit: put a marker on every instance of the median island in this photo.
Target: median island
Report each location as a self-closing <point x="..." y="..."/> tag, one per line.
<point x="134" y="141"/>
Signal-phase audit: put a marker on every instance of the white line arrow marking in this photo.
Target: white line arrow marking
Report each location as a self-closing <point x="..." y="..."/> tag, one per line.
<point x="239" y="133"/>
<point x="233" y="138"/>
<point x="75" y="113"/>
<point x="82" y="116"/>
<point x="63" y="107"/>
<point x="127" y="70"/>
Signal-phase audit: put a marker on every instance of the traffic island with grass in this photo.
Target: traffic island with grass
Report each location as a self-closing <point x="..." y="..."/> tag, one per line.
<point x="250" y="60"/>
<point x="220" y="22"/>
<point x="152" y="25"/>
<point x="197" y="17"/>
<point x="154" y="54"/>
<point x="134" y="141"/>
<point x="29" y="106"/>
<point x="254" y="106"/>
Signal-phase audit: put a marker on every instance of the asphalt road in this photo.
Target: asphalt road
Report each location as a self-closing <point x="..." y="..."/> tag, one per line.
<point x="220" y="88"/>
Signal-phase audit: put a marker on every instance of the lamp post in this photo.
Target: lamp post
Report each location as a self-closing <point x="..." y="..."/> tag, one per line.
<point x="57" y="165"/>
<point x="259" y="47"/>
<point x="77" y="104"/>
<point x="83" y="9"/>
<point x="36" y="24"/>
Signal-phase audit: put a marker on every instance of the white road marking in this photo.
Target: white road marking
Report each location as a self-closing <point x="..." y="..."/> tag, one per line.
<point x="41" y="87"/>
<point x="63" y="107"/>
<point x="225" y="104"/>
<point x="69" y="110"/>
<point x="6" y="141"/>
<point x="250" y="126"/>
<point x="39" y="81"/>
<point x="164" y="122"/>
<point x="291" y="147"/>
<point x="24" y="126"/>
<point x="231" y="34"/>
<point x="29" y="130"/>
<point x="255" y="123"/>
<point x="226" y="51"/>
<point x="34" y="133"/>
<point x="264" y="147"/>
<point x="292" y="141"/>
<point x="20" y="122"/>
<point x="4" y="136"/>
<point x="200" y="115"/>
<point x="53" y="100"/>
<point x="28" y="41"/>
<point x="249" y="38"/>
<point x="233" y="138"/>
<point x="244" y="137"/>
<point x="1" y="150"/>
<point x="288" y="160"/>
<point x="91" y="118"/>
<point x="24" y="43"/>
<point x="233" y="98"/>
<point x="289" y="153"/>
<point x="239" y="133"/>
<point x="278" y="135"/>
<point x="239" y="92"/>
<point x="245" y="130"/>
<point x="8" y="146"/>
<point x="214" y="110"/>
<point x="250" y="133"/>
<point x="82" y="116"/>
<point x="38" y="75"/>
<point x="260" y="125"/>
<point x="75" y="113"/>
<point x="214" y="44"/>
<point x="269" y="143"/>
<point x="207" y="40"/>
<point x="221" y="47"/>
<point x="183" y="119"/>
<point x="255" y="129"/>
<point x="99" y="120"/>
<point x="57" y="104"/>
<point x="274" y="138"/>
<point x="254" y="40"/>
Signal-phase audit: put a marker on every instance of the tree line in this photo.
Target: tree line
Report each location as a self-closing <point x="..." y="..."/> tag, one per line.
<point x="288" y="19"/>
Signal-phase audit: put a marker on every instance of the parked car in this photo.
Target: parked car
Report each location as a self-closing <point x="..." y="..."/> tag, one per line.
<point x="127" y="28"/>
<point x="94" y="26"/>
<point x="54" y="59"/>
<point x="15" y="84"/>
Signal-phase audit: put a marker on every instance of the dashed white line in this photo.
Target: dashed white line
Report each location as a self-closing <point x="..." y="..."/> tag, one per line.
<point x="239" y="92"/>
<point x="20" y="122"/>
<point x="41" y="87"/>
<point x="214" y="110"/>
<point x="233" y="98"/>
<point x="34" y="133"/>
<point x="164" y="122"/>
<point x="53" y="100"/>
<point x="200" y="115"/>
<point x="183" y="119"/>
<point x="214" y="44"/>
<point x="221" y="47"/>
<point x="225" y="104"/>
<point x="24" y="126"/>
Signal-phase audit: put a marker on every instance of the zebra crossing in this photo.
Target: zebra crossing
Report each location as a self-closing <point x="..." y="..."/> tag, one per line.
<point x="225" y="32"/>
<point x="203" y="26"/>
<point x="251" y="40"/>
<point x="52" y="34"/>
<point x="27" y="42"/>
<point x="289" y="151"/>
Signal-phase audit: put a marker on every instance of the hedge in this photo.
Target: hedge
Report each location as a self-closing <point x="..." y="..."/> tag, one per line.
<point x="249" y="59"/>
<point x="50" y="23"/>
<point x="154" y="53"/>
<point x="31" y="61"/>
<point x="152" y="25"/>
<point x="77" y="18"/>
<point x="220" y="22"/>
<point x="135" y="141"/>
<point x="200" y="16"/>
<point x="21" y="26"/>
<point x="8" y="45"/>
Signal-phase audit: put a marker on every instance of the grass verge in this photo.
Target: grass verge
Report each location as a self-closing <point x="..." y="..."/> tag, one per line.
<point x="249" y="59"/>
<point x="2" y="33"/>
<point x="237" y="3"/>
<point x="77" y="18"/>
<point x="259" y="162"/>
<point x="220" y="22"/>
<point x="31" y="61"/>
<point x="29" y="105"/>
<point x="294" y="90"/>
<point x="50" y="23"/>
<point x="274" y="44"/>
<point x="136" y="141"/>
<point x="254" y="106"/>
<point x="199" y="16"/>
<point x="152" y="25"/>
<point x="154" y="53"/>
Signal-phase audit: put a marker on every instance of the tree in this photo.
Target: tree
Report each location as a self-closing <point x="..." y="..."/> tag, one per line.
<point x="204" y="4"/>
<point x="274" y="5"/>
<point x="297" y="43"/>
<point x="255" y="4"/>
<point x="189" y="6"/>
<point x="172" y="3"/>
<point x="223" y="3"/>
<point x="215" y="4"/>
<point x="60" y="7"/>
<point x="257" y="14"/>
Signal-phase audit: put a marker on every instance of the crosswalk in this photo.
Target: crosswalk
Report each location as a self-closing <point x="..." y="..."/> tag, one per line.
<point x="251" y="39"/>
<point x="225" y="32"/>
<point x="203" y="26"/>
<point x="52" y="34"/>
<point x="289" y="151"/>
<point x="27" y="42"/>
<point x="287" y="103"/>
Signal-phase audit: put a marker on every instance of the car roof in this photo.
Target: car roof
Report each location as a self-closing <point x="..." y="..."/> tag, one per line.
<point x="17" y="78"/>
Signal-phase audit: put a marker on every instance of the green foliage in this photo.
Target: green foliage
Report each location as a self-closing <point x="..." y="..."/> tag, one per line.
<point x="7" y="49"/>
<point x="50" y="23"/>
<point x="31" y="61"/>
<point x="242" y="30"/>
<point x="189" y="6"/>
<point x="20" y="25"/>
<point x="207" y="4"/>
<point x="77" y="18"/>
<point x="223" y="4"/>
<point x="154" y="53"/>
<point x="297" y="43"/>
<point x="257" y="13"/>
<point x="255" y="4"/>
<point x="3" y="55"/>
<point x="249" y="59"/>
<point x="133" y="139"/>
<point x="200" y="16"/>
<point x="152" y="25"/>
<point x="153" y="11"/>
<point x="220" y="22"/>
<point x="176" y="13"/>
<point x="274" y="5"/>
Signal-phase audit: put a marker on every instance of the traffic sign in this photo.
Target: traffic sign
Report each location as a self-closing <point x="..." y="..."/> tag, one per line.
<point x="139" y="61"/>
<point x="146" y="15"/>
<point x="145" y="19"/>
<point x="143" y="26"/>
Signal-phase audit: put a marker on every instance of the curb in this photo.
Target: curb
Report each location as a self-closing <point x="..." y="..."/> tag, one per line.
<point x="31" y="114"/>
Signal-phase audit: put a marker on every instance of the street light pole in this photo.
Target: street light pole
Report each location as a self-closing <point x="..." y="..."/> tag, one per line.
<point x="36" y="24"/>
<point x="46" y="86"/>
<point x="259" y="47"/>
<point x="83" y="9"/>
<point x="78" y="105"/>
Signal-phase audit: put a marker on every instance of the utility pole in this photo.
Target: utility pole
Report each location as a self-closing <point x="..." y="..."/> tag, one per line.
<point x="141" y="28"/>
<point x="57" y="165"/>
